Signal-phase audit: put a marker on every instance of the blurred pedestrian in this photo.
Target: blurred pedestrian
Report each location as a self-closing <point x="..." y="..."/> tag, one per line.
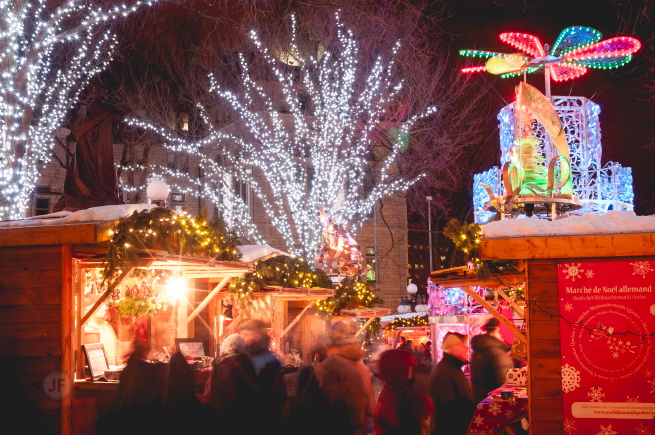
<point x="346" y="382"/>
<point x="451" y="393"/>
<point x="267" y="368"/>
<point x="489" y="360"/>
<point x="400" y="409"/>
<point x="234" y="395"/>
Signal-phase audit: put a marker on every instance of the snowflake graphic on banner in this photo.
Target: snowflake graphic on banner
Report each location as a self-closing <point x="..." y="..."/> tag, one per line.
<point x="478" y="420"/>
<point x="632" y="399"/>
<point x="570" y="378"/>
<point x="494" y="408"/>
<point x="596" y="394"/>
<point x="641" y="268"/>
<point x="642" y="430"/>
<point x="620" y="346"/>
<point x="568" y="306"/>
<point x="652" y="384"/>
<point x="569" y="425"/>
<point x="648" y="373"/>
<point x="606" y="430"/>
<point x="573" y="271"/>
<point x="589" y="273"/>
<point x="509" y="413"/>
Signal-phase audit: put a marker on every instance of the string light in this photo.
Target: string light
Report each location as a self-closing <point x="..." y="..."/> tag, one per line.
<point x="317" y="153"/>
<point x="37" y="90"/>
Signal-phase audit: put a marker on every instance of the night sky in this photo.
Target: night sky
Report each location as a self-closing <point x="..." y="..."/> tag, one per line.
<point x="626" y="117"/>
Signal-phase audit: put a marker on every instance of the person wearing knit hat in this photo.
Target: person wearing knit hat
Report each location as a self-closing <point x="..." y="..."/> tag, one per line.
<point x="399" y="409"/>
<point x="451" y="393"/>
<point x="489" y="360"/>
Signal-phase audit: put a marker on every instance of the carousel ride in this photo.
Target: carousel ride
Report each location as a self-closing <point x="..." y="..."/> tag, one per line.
<point x="550" y="145"/>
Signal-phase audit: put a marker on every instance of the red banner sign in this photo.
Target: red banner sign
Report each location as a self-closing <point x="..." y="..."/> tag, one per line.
<point x="608" y="359"/>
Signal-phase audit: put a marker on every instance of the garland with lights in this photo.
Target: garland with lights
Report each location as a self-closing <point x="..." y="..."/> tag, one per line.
<point x="48" y="54"/>
<point x="466" y="238"/>
<point x="350" y="293"/>
<point x="282" y="270"/>
<point x="400" y="322"/>
<point x="163" y="229"/>
<point x="316" y="152"/>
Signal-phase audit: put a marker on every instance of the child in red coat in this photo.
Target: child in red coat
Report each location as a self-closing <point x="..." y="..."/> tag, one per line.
<point x="400" y="409"/>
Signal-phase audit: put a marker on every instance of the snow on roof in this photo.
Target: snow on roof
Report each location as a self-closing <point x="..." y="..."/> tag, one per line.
<point x="588" y="223"/>
<point x="95" y="214"/>
<point x="255" y="252"/>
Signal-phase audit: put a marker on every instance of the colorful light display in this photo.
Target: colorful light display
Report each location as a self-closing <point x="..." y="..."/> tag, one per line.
<point x="575" y="50"/>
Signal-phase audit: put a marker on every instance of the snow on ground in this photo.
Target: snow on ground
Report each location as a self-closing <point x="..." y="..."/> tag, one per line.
<point x="589" y="223"/>
<point x="95" y="214"/>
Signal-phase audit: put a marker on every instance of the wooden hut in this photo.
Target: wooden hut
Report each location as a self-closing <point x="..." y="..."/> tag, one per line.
<point x="550" y="261"/>
<point x="43" y="314"/>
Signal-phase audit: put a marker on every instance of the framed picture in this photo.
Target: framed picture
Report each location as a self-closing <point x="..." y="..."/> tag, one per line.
<point x="96" y="360"/>
<point x="192" y="347"/>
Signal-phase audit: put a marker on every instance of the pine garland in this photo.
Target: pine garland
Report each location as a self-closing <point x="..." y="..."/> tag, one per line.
<point x="348" y="294"/>
<point x="400" y="322"/>
<point x="466" y="238"/>
<point x="163" y="229"/>
<point x="282" y="270"/>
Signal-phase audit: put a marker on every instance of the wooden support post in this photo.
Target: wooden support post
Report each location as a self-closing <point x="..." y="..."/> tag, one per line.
<point x="297" y="319"/>
<point x="479" y="299"/>
<point x="363" y="328"/>
<point x="518" y="309"/>
<point x="201" y="306"/>
<point x="67" y="309"/>
<point x="105" y="295"/>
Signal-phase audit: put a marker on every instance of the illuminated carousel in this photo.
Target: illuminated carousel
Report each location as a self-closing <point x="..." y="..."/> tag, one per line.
<point x="551" y="145"/>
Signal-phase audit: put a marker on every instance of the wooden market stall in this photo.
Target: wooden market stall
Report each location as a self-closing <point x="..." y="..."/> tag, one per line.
<point x="46" y="302"/>
<point x="555" y="266"/>
<point x="467" y="280"/>
<point x="287" y="311"/>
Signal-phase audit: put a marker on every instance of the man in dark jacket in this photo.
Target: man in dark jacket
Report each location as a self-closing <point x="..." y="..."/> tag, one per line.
<point x="451" y="393"/>
<point x="489" y="361"/>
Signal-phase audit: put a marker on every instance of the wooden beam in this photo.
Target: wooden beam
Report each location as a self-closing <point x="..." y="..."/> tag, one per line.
<point x="67" y="309"/>
<point x="518" y="309"/>
<point x="106" y="294"/>
<point x="297" y="319"/>
<point x="363" y="328"/>
<point x="569" y="246"/>
<point x="201" y="306"/>
<point x="479" y="299"/>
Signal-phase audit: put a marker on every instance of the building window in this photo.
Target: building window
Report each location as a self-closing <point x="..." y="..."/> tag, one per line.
<point x="177" y="202"/>
<point x="41" y="206"/>
<point x="370" y="264"/>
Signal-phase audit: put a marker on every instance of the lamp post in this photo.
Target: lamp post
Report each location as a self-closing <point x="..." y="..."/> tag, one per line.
<point x="429" y="198"/>
<point x="157" y="192"/>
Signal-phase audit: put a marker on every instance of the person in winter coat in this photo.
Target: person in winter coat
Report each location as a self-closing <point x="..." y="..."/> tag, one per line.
<point x="234" y="395"/>
<point x="347" y="387"/>
<point x="400" y="409"/>
<point x="267" y="368"/>
<point x="489" y="361"/>
<point x="451" y="393"/>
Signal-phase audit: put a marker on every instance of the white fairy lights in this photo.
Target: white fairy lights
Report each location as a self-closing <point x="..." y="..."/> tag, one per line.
<point x="39" y="84"/>
<point x="297" y="161"/>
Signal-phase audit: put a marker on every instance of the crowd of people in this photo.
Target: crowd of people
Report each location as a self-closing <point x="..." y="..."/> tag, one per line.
<point x="251" y="392"/>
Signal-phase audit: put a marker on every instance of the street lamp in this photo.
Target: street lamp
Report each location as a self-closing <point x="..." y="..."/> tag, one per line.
<point x="429" y="198"/>
<point x="157" y="191"/>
